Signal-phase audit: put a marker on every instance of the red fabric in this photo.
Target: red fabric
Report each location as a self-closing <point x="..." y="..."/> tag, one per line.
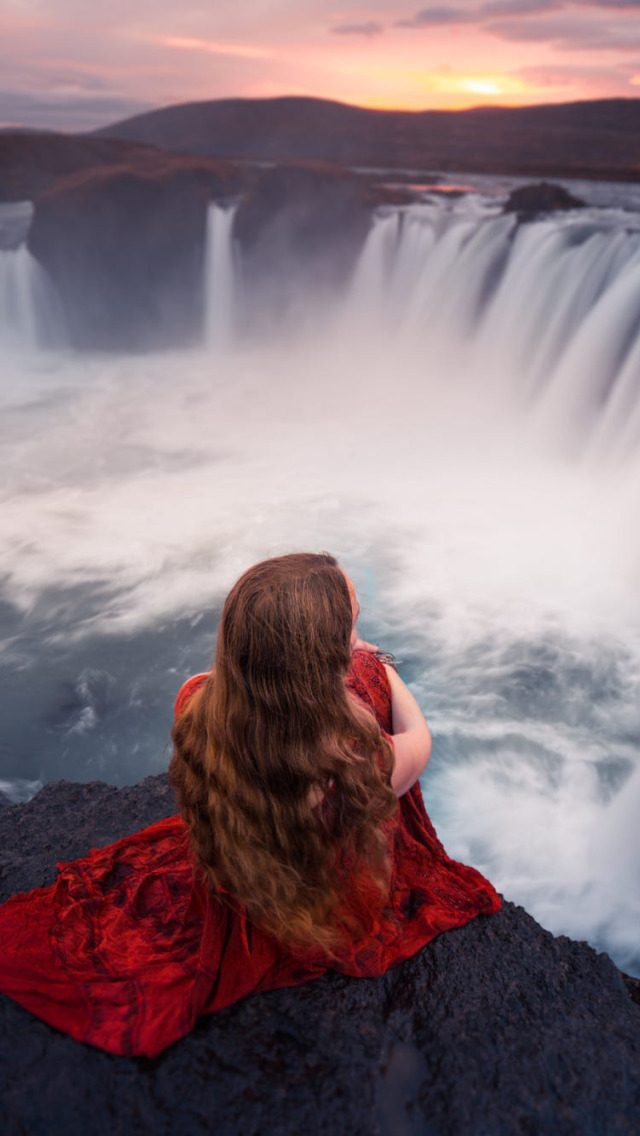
<point x="128" y="948"/>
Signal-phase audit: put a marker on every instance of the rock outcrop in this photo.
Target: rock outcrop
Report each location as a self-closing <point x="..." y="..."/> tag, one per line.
<point x="124" y="246"/>
<point x="532" y="201"/>
<point x="494" y="1029"/>
<point x="300" y="230"/>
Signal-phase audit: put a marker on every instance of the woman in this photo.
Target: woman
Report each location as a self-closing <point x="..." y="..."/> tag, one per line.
<point x="302" y="842"/>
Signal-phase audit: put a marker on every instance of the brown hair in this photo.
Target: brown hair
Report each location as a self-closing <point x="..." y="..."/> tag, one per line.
<point x="272" y="726"/>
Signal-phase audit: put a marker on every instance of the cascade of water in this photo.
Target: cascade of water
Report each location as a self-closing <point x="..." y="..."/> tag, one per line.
<point x="618" y="428"/>
<point x="29" y="307"/>
<point x="27" y="302"/>
<point x="370" y="281"/>
<point x="580" y="277"/>
<point x="220" y="285"/>
<point x="21" y="286"/>
<point x="590" y="368"/>
<point x="548" y="311"/>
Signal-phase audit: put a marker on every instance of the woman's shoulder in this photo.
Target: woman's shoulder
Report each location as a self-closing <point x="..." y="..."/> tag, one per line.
<point x="367" y="679"/>
<point x="368" y="669"/>
<point x="187" y="689"/>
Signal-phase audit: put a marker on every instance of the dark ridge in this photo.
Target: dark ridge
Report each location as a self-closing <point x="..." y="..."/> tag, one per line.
<point x="590" y="138"/>
<point x="581" y="140"/>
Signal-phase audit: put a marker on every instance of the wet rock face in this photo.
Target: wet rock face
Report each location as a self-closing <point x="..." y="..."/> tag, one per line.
<point x="531" y="201"/>
<point x="493" y="1029"/>
<point x="299" y="231"/>
<point x="15" y="220"/>
<point x="125" y="249"/>
<point x="125" y="245"/>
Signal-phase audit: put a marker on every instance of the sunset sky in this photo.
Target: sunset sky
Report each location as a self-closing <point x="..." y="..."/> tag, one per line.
<point x="73" y="65"/>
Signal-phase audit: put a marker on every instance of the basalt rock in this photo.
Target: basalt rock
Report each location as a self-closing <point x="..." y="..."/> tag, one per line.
<point x="124" y="246"/>
<point x="532" y="201"/>
<point x="494" y="1029"/>
<point x="300" y="230"/>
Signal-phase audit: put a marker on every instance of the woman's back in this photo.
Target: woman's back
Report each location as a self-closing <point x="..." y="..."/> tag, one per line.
<point x="270" y="733"/>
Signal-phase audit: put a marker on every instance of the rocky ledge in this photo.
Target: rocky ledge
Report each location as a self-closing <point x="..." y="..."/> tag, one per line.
<point x="125" y="245"/>
<point x="493" y="1029"/>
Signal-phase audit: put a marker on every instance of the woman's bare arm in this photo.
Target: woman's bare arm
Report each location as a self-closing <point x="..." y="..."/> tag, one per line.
<point x="411" y="736"/>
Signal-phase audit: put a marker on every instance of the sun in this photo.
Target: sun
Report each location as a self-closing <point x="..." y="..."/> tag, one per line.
<point x="482" y="86"/>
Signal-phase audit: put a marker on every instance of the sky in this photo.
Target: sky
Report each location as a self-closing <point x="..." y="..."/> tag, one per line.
<point x="73" y="65"/>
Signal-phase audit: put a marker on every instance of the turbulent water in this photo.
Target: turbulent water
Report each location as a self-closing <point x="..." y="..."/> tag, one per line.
<point x="462" y="431"/>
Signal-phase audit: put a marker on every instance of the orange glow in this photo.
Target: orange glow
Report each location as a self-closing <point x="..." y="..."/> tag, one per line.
<point x="482" y="86"/>
<point x="167" y="54"/>
<point x="373" y="76"/>
<point x="367" y="75"/>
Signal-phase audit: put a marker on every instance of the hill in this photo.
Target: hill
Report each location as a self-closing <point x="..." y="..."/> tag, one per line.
<point x="589" y="139"/>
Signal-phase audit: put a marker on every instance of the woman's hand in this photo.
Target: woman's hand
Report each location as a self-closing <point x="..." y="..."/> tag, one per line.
<point x="362" y="645"/>
<point x="385" y="657"/>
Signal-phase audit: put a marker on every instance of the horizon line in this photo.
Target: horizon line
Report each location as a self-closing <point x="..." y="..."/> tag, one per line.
<point x="10" y="127"/>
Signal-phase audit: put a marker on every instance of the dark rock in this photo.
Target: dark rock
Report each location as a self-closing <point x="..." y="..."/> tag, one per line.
<point x="31" y="161"/>
<point x="65" y="819"/>
<point x="633" y="986"/>
<point x="530" y="201"/>
<point x="300" y="230"/>
<point x="15" y="221"/>
<point x="125" y="247"/>
<point x="494" y="1029"/>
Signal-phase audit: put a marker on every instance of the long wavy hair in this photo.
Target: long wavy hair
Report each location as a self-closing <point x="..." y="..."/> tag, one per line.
<point x="281" y="775"/>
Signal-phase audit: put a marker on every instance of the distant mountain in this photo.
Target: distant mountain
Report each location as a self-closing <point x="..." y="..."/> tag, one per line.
<point x="596" y="138"/>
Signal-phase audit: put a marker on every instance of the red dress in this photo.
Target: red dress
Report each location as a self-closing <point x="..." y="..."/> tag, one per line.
<point x="128" y="948"/>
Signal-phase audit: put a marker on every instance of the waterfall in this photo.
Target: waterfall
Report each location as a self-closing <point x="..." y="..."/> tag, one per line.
<point x="29" y="309"/>
<point x="219" y="277"/>
<point x="406" y="427"/>
<point x="18" y="286"/>
<point x="28" y="305"/>
<point x="546" y="313"/>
